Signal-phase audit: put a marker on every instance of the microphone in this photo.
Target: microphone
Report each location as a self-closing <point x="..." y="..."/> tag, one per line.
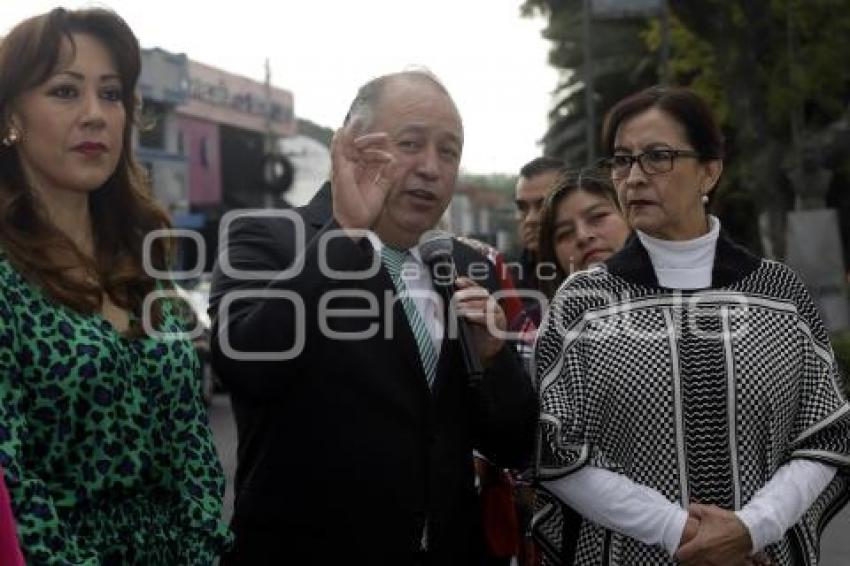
<point x="436" y="249"/>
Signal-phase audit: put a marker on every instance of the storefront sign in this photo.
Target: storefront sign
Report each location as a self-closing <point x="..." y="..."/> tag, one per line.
<point x="238" y="101"/>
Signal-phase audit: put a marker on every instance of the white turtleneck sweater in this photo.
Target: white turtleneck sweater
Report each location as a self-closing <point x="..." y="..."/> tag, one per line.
<point x="616" y="502"/>
<point x="683" y="264"/>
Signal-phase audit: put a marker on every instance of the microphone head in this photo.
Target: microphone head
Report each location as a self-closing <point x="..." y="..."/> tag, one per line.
<point x="435" y="245"/>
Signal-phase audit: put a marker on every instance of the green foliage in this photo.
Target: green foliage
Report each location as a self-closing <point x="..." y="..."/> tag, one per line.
<point x="622" y="64"/>
<point x="315" y="131"/>
<point x="807" y="71"/>
<point x="766" y="66"/>
<point x="789" y="54"/>
<point x="737" y="210"/>
<point x="774" y="71"/>
<point x="783" y="56"/>
<point x="693" y="63"/>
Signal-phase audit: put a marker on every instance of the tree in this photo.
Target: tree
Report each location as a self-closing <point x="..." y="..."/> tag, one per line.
<point x="315" y="131"/>
<point x="774" y="71"/>
<point x="622" y="64"/>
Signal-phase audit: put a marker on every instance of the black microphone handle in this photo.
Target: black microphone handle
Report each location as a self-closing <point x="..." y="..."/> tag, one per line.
<point x="474" y="369"/>
<point x="471" y="360"/>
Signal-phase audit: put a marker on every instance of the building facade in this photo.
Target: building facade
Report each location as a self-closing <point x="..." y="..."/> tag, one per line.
<point x="202" y="137"/>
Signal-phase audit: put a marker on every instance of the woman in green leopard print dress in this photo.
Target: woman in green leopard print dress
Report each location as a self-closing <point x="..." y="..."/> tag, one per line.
<point x="104" y="440"/>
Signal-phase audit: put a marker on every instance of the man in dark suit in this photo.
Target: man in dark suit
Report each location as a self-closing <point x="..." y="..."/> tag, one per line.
<point x="356" y="421"/>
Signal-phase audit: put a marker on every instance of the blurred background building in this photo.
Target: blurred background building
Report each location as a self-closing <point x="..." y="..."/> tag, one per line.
<point x="202" y="136"/>
<point x="774" y="72"/>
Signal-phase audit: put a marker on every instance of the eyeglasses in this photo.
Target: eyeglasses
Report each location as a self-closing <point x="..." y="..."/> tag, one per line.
<point x="651" y="161"/>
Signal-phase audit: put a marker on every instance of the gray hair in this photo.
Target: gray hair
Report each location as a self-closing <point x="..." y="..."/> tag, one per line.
<point x="363" y="107"/>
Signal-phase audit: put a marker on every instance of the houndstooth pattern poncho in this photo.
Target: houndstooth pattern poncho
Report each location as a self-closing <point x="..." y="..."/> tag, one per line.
<point x="700" y="395"/>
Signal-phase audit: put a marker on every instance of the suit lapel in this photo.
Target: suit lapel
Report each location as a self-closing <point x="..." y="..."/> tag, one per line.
<point x="318" y="212"/>
<point x="401" y="334"/>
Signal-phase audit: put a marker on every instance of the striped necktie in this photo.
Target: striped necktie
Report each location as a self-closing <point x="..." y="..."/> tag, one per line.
<point x="393" y="259"/>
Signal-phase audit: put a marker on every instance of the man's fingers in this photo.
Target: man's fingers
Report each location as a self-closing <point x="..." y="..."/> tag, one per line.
<point x="342" y="145"/>
<point x="388" y="168"/>
<point x="484" y="314"/>
<point x="384" y="174"/>
<point x="360" y="148"/>
<point x="341" y="171"/>
<point x="698" y="510"/>
<point x="376" y="156"/>
<point x="688" y="551"/>
<point x="690" y="530"/>
<point x="337" y="141"/>
<point x="476" y="318"/>
<point x="375" y="167"/>
<point x="477" y="311"/>
<point x="475" y="304"/>
<point x="467" y="294"/>
<point x="375" y="139"/>
<point x="464" y="282"/>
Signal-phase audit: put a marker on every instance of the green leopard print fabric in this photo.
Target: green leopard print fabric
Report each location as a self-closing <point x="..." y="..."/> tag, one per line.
<point x="104" y="440"/>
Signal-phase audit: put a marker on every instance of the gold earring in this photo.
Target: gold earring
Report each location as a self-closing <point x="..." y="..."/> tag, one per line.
<point x="11" y="138"/>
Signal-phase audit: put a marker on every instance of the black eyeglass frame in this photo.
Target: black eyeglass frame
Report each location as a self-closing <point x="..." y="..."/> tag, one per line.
<point x="623" y="170"/>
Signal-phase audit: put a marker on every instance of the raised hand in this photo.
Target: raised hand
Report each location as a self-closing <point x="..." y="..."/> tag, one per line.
<point x="362" y="172"/>
<point x="721" y="539"/>
<point x="485" y="316"/>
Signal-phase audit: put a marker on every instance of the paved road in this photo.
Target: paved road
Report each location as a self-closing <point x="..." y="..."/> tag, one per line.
<point x="224" y="430"/>
<point x="835" y="545"/>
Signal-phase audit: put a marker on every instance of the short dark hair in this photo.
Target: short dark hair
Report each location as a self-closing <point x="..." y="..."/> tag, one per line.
<point x="683" y="105"/>
<point x="540" y="165"/>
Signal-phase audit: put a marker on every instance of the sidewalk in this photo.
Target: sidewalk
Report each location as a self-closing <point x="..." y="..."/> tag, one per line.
<point x="835" y="543"/>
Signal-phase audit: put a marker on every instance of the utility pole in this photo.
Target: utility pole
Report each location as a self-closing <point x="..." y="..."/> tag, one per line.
<point x="795" y="114"/>
<point x="613" y="10"/>
<point x="590" y="113"/>
<point x="665" y="43"/>
<point x="268" y="198"/>
<point x="269" y="147"/>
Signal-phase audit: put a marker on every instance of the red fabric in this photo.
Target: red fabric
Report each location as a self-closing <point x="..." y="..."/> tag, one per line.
<point x="499" y="517"/>
<point x="511" y="303"/>
<point x="10" y="551"/>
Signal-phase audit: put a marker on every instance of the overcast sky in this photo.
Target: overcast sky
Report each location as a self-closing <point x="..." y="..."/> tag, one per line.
<point x="492" y="60"/>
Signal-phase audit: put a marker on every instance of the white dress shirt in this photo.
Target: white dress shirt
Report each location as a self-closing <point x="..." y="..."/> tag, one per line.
<point x="417" y="278"/>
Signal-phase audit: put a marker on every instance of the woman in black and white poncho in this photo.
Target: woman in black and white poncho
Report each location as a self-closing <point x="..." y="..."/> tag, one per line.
<point x="691" y="407"/>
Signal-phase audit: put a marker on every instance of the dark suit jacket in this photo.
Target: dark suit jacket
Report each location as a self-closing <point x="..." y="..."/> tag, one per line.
<point x="343" y="450"/>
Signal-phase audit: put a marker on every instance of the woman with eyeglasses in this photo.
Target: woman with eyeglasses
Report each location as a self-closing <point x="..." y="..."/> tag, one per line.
<point x="690" y="401"/>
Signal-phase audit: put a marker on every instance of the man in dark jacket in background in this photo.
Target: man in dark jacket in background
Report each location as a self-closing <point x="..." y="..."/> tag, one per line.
<point x="536" y="180"/>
